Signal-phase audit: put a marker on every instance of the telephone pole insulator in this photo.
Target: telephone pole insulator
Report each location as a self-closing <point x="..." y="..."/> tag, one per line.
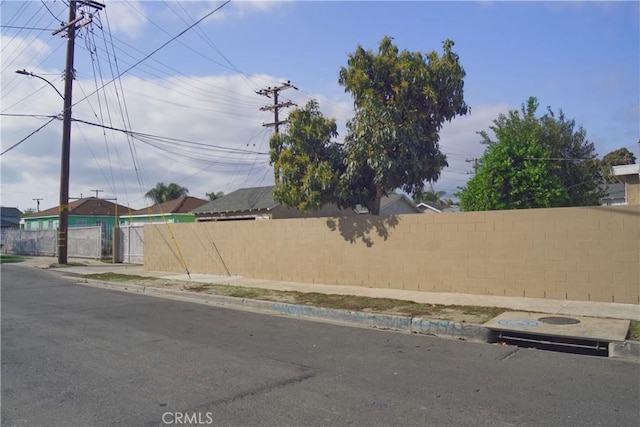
<point x="276" y="106"/>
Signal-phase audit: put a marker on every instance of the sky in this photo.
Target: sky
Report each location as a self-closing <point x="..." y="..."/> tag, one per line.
<point x="188" y="91"/>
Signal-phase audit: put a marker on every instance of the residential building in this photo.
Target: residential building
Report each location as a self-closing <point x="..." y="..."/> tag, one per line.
<point x="10" y="217"/>
<point x="257" y="203"/>
<point x="173" y="211"/>
<point x="630" y="176"/>
<point x="89" y="211"/>
<point x="614" y="194"/>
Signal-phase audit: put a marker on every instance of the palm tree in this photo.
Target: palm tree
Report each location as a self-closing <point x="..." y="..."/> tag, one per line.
<point x="163" y="193"/>
<point x="213" y="195"/>
<point x="434" y="197"/>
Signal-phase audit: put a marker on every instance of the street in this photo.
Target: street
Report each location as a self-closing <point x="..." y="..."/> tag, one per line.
<point x="74" y="355"/>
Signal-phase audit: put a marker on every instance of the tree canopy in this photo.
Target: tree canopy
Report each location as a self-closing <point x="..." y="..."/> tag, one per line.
<point x="401" y="100"/>
<point x="163" y="193"/>
<point x="621" y="156"/>
<point x="534" y="162"/>
<point x="213" y="195"/>
<point x="433" y="196"/>
<point x="307" y="163"/>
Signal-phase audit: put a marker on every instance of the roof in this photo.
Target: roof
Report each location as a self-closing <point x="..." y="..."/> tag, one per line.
<point x="261" y="198"/>
<point x="244" y="199"/>
<point x="8" y="224"/>
<point x="87" y="206"/>
<point x="393" y="198"/>
<point x="184" y="204"/>
<point x="430" y="206"/>
<point x="386" y="202"/>
<point x="626" y="169"/>
<point x="6" y="211"/>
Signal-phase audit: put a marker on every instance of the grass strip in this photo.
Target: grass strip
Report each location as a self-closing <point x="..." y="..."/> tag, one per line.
<point x="7" y="259"/>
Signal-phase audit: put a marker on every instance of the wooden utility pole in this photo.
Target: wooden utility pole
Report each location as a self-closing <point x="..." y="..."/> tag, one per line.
<point x="37" y="204"/>
<point x="276" y="106"/>
<point x="63" y="219"/>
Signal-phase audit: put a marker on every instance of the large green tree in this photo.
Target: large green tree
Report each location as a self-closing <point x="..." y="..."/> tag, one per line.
<point x="401" y="101"/>
<point x="533" y="162"/>
<point x="307" y="162"/>
<point x="163" y="193"/>
<point x="576" y="158"/>
<point x="621" y="156"/>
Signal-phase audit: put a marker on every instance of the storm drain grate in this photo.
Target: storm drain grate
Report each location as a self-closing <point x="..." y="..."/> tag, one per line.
<point x="554" y="343"/>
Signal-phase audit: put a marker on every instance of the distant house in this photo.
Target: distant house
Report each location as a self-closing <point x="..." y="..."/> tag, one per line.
<point x="394" y="204"/>
<point x="629" y="175"/>
<point x="431" y="208"/>
<point x="257" y="203"/>
<point x="10" y="217"/>
<point x="89" y="211"/>
<point x="178" y="210"/>
<point x="614" y="194"/>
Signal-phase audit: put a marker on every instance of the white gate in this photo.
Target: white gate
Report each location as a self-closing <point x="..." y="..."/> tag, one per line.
<point x="131" y="241"/>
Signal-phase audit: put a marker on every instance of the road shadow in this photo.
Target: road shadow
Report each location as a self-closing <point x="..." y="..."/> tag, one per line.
<point x="354" y="228"/>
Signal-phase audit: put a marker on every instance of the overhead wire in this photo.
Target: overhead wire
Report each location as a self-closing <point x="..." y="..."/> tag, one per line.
<point x="27" y="137"/>
<point x="162" y="46"/>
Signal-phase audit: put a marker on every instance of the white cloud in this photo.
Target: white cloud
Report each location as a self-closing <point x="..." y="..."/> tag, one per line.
<point x="127" y="18"/>
<point x="461" y="143"/>
<point x="241" y="8"/>
<point x="220" y="111"/>
<point x="25" y="53"/>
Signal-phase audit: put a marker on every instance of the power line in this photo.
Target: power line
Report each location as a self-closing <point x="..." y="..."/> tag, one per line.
<point x="26" y="137"/>
<point x="159" y="48"/>
<point x="140" y="134"/>
<point x="276" y="106"/>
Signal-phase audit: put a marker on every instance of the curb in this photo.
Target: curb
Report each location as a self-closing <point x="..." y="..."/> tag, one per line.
<point x="411" y="325"/>
<point x="625" y="350"/>
<point x="619" y="350"/>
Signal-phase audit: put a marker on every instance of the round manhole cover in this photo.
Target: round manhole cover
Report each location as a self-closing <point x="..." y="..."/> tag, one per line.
<point x="555" y="320"/>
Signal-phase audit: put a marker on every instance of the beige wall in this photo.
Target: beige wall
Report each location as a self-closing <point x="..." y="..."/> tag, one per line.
<point x="632" y="188"/>
<point x="590" y="253"/>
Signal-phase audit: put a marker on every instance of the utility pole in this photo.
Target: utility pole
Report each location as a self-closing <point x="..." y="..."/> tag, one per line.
<point x="475" y="164"/>
<point x="276" y="106"/>
<point x="37" y="204"/>
<point x="97" y="191"/>
<point x="63" y="219"/>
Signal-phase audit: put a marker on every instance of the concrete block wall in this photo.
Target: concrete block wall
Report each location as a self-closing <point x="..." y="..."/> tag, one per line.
<point x="589" y="253"/>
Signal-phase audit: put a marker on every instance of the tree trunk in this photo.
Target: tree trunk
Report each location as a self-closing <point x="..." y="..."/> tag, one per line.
<point x="375" y="209"/>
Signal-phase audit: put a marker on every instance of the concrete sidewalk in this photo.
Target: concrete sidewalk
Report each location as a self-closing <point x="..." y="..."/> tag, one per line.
<point x="559" y="307"/>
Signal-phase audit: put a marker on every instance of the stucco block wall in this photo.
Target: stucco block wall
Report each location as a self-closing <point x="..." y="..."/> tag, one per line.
<point x="590" y="253"/>
<point x="633" y="190"/>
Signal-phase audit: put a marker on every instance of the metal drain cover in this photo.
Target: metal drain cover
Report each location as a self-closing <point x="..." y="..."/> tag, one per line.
<point x="556" y="320"/>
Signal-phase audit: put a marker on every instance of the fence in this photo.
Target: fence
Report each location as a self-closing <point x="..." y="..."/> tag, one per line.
<point x="131" y="244"/>
<point x="589" y="253"/>
<point x="82" y="242"/>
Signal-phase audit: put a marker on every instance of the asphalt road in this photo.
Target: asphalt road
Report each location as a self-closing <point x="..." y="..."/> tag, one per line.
<point x="80" y="356"/>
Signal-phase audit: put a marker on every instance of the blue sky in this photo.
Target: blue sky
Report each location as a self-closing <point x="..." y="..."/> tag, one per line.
<point x="581" y="57"/>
